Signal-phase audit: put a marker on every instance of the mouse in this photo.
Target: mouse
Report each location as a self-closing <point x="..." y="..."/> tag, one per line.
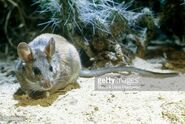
<point x="49" y="63"/>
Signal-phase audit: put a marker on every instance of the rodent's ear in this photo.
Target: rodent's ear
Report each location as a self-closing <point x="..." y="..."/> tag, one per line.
<point x="50" y="48"/>
<point x="24" y="51"/>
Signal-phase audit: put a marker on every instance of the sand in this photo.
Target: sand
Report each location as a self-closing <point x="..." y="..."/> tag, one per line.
<point x="87" y="105"/>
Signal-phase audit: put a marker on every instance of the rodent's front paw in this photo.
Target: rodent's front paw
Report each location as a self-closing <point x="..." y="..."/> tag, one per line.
<point x="19" y="92"/>
<point x="39" y="94"/>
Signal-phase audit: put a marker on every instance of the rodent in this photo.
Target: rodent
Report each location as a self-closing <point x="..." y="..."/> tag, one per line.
<point x="47" y="63"/>
<point x="50" y="62"/>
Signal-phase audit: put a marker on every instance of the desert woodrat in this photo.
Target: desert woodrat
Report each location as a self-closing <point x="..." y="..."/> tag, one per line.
<point x="50" y="62"/>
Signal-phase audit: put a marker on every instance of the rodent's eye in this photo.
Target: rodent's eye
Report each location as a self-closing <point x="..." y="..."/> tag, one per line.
<point x="50" y="68"/>
<point x="36" y="71"/>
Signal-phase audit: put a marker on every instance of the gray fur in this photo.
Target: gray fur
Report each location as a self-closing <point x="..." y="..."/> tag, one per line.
<point x="65" y="67"/>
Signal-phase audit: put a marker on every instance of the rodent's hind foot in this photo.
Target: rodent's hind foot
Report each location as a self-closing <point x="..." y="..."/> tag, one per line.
<point x="71" y="86"/>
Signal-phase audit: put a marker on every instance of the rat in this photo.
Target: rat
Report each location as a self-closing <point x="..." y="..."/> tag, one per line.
<point x="49" y="63"/>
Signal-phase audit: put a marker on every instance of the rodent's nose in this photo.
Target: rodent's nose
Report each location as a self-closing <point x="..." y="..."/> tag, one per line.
<point x="46" y="84"/>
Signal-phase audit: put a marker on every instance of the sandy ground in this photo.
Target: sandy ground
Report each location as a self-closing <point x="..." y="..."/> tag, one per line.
<point x="88" y="105"/>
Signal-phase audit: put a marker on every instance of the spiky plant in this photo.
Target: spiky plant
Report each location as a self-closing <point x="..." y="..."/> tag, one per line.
<point x="94" y="25"/>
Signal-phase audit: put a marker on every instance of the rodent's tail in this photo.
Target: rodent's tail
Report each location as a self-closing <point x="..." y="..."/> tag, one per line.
<point x="101" y="71"/>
